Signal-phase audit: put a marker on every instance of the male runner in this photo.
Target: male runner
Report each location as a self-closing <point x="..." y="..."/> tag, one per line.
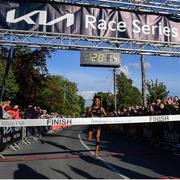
<point x="96" y="110"/>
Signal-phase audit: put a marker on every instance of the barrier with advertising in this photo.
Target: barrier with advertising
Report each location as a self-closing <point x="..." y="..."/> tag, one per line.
<point x="7" y="135"/>
<point x="156" y="128"/>
<point x="10" y="135"/>
<point x="1" y="142"/>
<point x="165" y="133"/>
<point x="17" y="134"/>
<point x="147" y="131"/>
<point x="171" y="133"/>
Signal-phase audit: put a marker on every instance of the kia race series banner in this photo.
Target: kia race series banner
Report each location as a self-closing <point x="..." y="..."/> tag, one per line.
<point x="90" y="21"/>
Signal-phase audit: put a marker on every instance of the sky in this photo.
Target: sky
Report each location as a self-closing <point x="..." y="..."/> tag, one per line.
<point x="94" y="79"/>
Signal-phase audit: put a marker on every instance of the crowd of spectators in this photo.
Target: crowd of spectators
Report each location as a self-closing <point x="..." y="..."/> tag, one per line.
<point x="9" y="111"/>
<point x="168" y="106"/>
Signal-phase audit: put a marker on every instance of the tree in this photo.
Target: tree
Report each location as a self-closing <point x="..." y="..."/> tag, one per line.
<point x="82" y="104"/>
<point x="29" y="72"/>
<point x="29" y="67"/>
<point x="127" y="94"/>
<point x="156" y="90"/>
<point x="51" y="96"/>
<point x="61" y="96"/>
<point x="11" y="87"/>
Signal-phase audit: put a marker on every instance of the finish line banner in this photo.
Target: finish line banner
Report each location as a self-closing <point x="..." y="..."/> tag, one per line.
<point x="88" y="121"/>
<point x="90" y="21"/>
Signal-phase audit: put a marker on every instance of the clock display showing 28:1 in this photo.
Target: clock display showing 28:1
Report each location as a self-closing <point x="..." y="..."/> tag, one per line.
<point x="100" y="57"/>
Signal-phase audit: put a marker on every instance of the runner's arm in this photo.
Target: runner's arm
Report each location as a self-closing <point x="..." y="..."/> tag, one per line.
<point x="88" y="113"/>
<point x="103" y="111"/>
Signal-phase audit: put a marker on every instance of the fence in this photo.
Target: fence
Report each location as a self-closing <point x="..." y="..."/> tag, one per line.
<point x="167" y="133"/>
<point x="156" y="129"/>
<point x="12" y="136"/>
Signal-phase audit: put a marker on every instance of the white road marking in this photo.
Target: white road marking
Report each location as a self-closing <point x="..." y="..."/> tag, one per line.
<point x="106" y="163"/>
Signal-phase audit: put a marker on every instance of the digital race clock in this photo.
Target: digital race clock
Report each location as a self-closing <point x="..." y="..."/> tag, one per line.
<point x="100" y="58"/>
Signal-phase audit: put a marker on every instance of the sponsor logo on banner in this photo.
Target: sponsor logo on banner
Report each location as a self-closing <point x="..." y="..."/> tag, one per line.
<point x="172" y="137"/>
<point x="59" y="121"/>
<point x="7" y="130"/>
<point x="6" y="139"/>
<point x="10" y="18"/>
<point x="100" y="121"/>
<point x="93" y="22"/>
<point x="16" y="135"/>
<point x="8" y="123"/>
<point x="147" y="131"/>
<point x="88" y="21"/>
<point x="159" y="118"/>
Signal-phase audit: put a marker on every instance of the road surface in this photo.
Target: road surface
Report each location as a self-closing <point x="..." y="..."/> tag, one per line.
<point x="68" y="154"/>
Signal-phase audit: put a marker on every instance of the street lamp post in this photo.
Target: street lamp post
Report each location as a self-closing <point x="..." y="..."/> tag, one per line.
<point x="115" y="97"/>
<point x="144" y="86"/>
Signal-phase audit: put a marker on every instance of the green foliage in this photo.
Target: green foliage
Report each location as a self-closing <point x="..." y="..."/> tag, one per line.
<point x="82" y="104"/>
<point x="29" y="83"/>
<point x="29" y="67"/>
<point x="156" y="90"/>
<point x="71" y="99"/>
<point x="127" y="94"/>
<point x="51" y="96"/>
<point x="61" y="96"/>
<point x="11" y="87"/>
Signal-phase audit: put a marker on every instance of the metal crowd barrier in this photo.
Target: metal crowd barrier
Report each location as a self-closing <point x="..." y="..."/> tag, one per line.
<point x="157" y="129"/>
<point x="157" y="134"/>
<point x="12" y="137"/>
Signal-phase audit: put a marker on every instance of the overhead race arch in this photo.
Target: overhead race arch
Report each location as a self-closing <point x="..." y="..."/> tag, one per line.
<point x="61" y="25"/>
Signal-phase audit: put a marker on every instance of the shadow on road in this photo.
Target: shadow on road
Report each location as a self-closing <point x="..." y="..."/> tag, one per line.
<point x="25" y="172"/>
<point x="90" y="160"/>
<point x="63" y="173"/>
<point x="48" y="153"/>
<point x="129" y="173"/>
<point x="64" y="148"/>
<point x="141" y="154"/>
<point x="83" y="173"/>
<point x="64" y="136"/>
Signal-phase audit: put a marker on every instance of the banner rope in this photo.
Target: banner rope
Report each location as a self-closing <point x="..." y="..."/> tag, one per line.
<point x="88" y="121"/>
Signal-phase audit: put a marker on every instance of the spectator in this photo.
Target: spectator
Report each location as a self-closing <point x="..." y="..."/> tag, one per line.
<point x="176" y="100"/>
<point x="162" y="109"/>
<point x="29" y="112"/>
<point x="170" y="107"/>
<point x="151" y="111"/>
<point x="7" y="112"/>
<point x="15" y="114"/>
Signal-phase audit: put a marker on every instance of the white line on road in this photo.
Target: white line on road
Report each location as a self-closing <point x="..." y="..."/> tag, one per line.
<point x="106" y="163"/>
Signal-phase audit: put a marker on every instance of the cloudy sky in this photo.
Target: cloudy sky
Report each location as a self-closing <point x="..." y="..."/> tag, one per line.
<point x="91" y="79"/>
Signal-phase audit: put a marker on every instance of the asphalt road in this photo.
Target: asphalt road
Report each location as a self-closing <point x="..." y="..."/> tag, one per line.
<point x="68" y="154"/>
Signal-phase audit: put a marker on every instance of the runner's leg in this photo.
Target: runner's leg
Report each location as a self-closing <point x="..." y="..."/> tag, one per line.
<point x="98" y="132"/>
<point x="90" y="133"/>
